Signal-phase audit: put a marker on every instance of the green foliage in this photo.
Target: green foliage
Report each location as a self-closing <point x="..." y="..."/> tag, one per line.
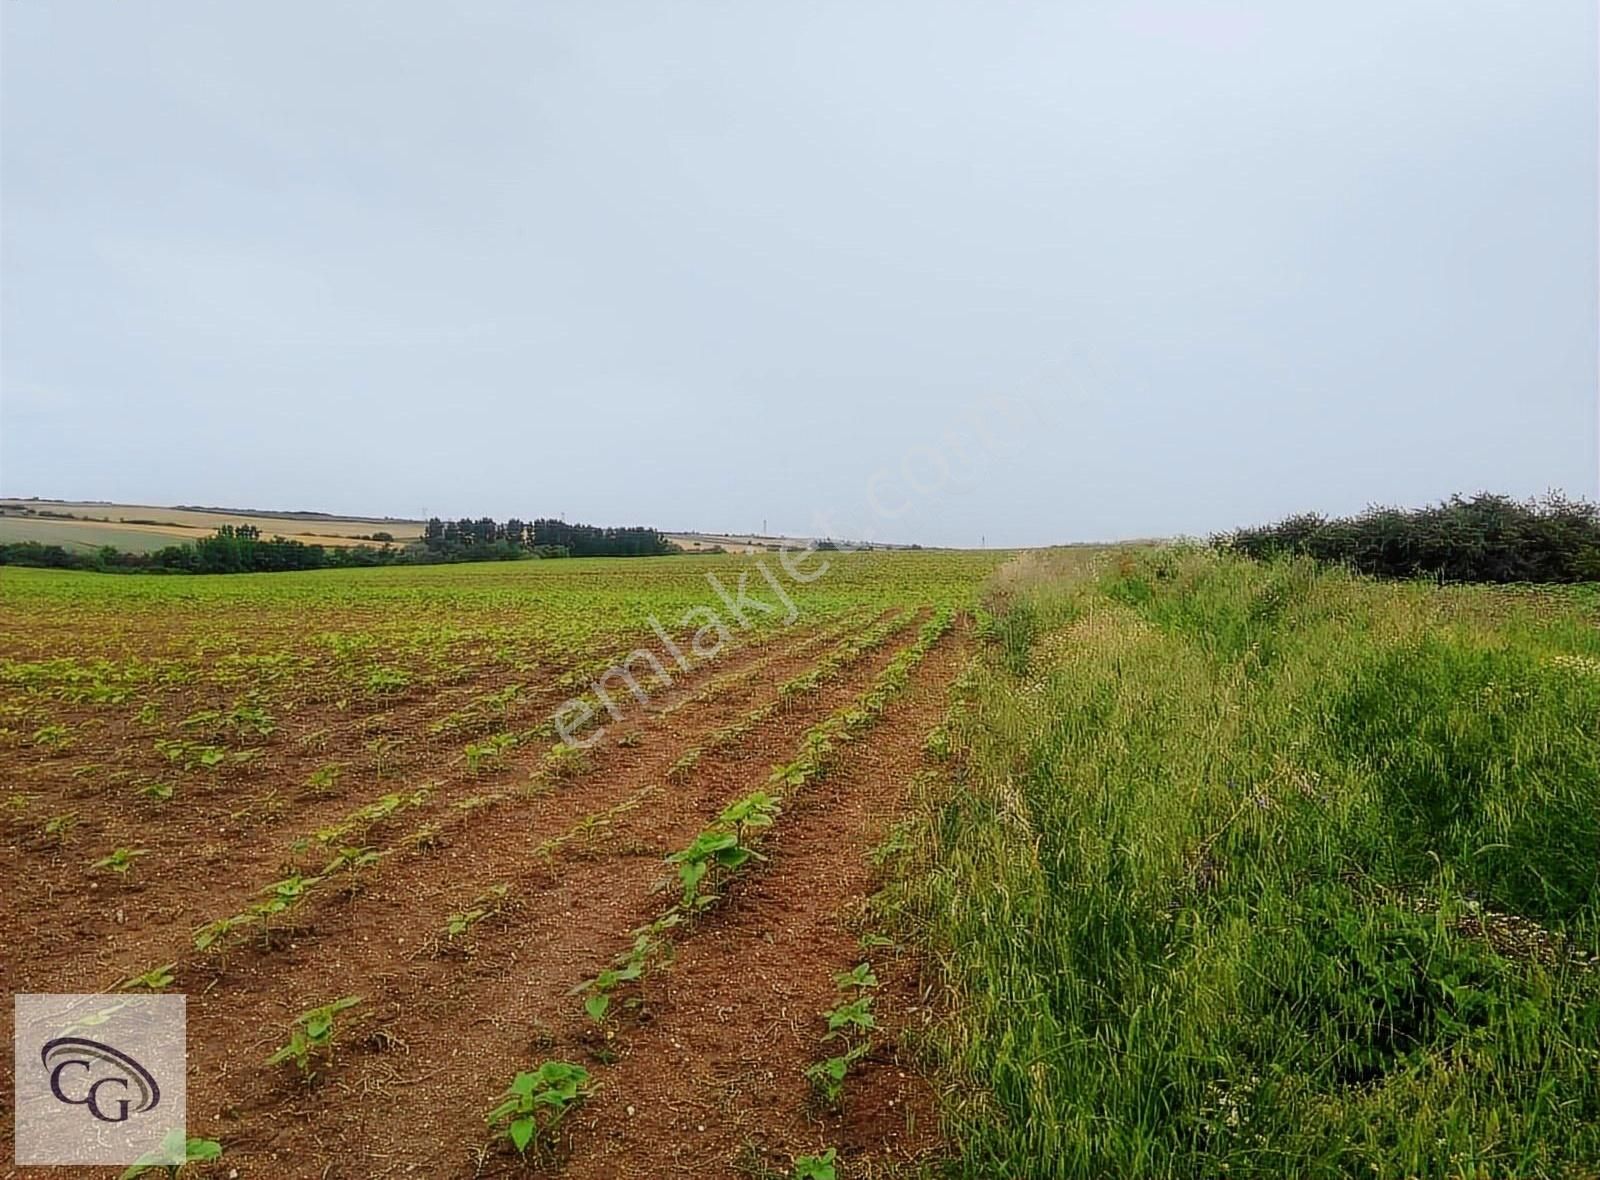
<point x="157" y="791"/>
<point x="536" y="1101"/>
<point x="1268" y="869"/>
<point x="488" y="750"/>
<point x="312" y="1036"/>
<point x="53" y="737"/>
<point x="860" y="977"/>
<point x="120" y="860"/>
<point x="720" y="847"/>
<point x="324" y="780"/>
<point x="59" y="827"/>
<point x="175" y="1143"/>
<point x="488" y="903"/>
<point x="827" y="1076"/>
<point x="1484" y="539"/>
<point x="156" y="979"/>
<point x="851" y="1017"/>
<point x="817" y="1167"/>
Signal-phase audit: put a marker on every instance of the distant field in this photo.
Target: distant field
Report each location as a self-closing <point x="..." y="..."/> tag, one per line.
<point x="128" y="527"/>
<point x="140" y="528"/>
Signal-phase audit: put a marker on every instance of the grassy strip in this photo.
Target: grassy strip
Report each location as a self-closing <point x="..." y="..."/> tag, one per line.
<point x="1250" y="869"/>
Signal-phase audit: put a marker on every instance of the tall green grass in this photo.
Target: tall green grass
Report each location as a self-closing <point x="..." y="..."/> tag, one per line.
<point x="1261" y="869"/>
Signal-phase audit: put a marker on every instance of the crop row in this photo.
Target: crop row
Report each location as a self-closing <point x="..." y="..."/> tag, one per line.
<point x="843" y="656"/>
<point x="732" y="841"/>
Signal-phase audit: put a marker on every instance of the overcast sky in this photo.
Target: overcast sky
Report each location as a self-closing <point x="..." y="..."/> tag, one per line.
<point x="940" y="272"/>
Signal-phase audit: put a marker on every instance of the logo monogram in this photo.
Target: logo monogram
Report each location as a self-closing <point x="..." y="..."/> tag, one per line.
<point x="65" y="1057"/>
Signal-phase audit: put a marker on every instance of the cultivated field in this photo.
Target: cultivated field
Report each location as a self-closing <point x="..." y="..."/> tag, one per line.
<point x="1073" y="864"/>
<point x="140" y="528"/>
<point x="274" y="792"/>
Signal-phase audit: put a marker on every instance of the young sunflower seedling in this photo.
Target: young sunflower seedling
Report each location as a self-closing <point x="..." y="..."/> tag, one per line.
<point x="213" y="933"/>
<point x="193" y="1151"/>
<point x="722" y="846"/>
<point x="280" y="896"/>
<point x="351" y="861"/>
<point x="382" y="748"/>
<point x="827" y="1076"/>
<point x="860" y="976"/>
<point x="154" y="980"/>
<point x="312" y="1036"/>
<point x="851" y="1018"/>
<point x="536" y="1102"/>
<point x="598" y="1002"/>
<point x="485" y="905"/>
<point x="120" y="861"/>
<point x="59" y="827"/>
<point x="478" y="754"/>
<point x="52" y="737"/>
<point x="324" y="780"/>
<point x="712" y="847"/>
<point x="817" y="1167"/>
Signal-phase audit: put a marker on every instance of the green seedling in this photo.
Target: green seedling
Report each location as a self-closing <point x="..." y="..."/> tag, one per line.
<point x="120" y="860"/>
<point x="489" y="750"/>
<point x="710" y="848"/>
<point x="499" y="701"/>
<point x="387" y="681"/>
<point x="352" y="861"/>
<point x="154" y="980"/>
<point x="157" y="791"/>
<point x="53" y="737"/>
<point x="252" y="718"/>
<point x="537" y="1101"/>
<point x="313" y="1036"/>
<point x="192" y="1151"/>
<point x="59" y="827"/>
<point x="426" y="836"/>
<point x="598" y="1002"/>
<point x="681" y="769"/>
<point x="280" y="896"/>
<point x="189" y="755"/>
<point x="325" y="779"/>
<point x="817" y="1167"/>
<point x="213" y="933"/>
<point x="827" y="1077"/>
<point x="856" y="1016"/>
<point x="563" y="762"/>
<point x="860" y="976"/>
<point x="485" y="905"/>
<point x="381" y="748"/>
<point x="756" y="810"/>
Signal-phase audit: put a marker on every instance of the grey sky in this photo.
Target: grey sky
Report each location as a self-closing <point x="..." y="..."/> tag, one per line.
<point x="704" y="264"/>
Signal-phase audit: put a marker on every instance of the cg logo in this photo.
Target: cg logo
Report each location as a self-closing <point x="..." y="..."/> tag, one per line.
<point x="65" y="1056"/>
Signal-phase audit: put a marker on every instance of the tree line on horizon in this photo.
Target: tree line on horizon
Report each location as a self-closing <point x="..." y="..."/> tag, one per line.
<point x="240" y="549"/>
<point x="1485" y="538"/>
<point x="546" y="536"/>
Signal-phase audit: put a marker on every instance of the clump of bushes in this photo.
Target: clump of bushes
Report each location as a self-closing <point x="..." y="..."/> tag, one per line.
<point x="1487" y="538"/>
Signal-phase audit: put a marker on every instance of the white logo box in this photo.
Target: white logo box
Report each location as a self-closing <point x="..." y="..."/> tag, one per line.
<point x="100" y="1079"/>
